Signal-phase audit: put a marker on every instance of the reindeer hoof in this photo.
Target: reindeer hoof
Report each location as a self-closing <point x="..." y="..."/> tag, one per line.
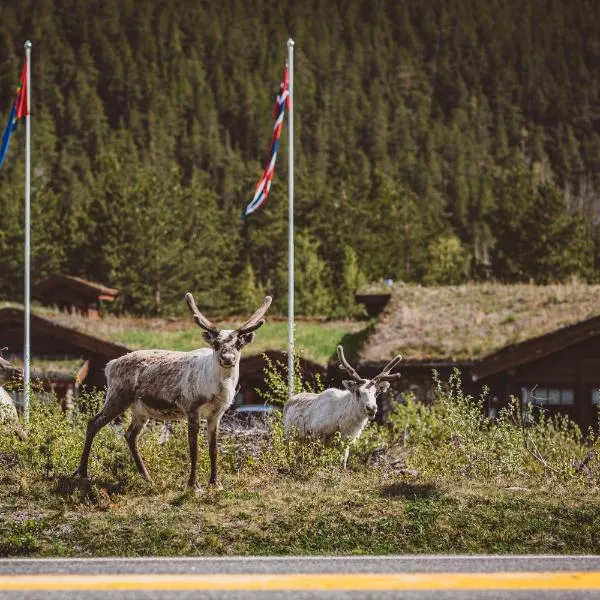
<point x="216" y="485"/>
<point x="195" y="488"/>
<point x="77" y="474"/>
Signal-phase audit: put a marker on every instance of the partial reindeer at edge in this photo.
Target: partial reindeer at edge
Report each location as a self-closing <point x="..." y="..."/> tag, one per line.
<point x="338" y="411"/>
<point x="8" y="411"/>
<point x="168" y="385"/>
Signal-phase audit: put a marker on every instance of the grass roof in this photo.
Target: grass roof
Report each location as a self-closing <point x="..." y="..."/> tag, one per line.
<point x="315" y="340"/>
<point x="467" y="322"/>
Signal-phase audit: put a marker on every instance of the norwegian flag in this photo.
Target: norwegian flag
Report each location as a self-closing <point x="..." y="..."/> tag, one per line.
<point x="19" y="110"/>
<point x="264" y="185"/>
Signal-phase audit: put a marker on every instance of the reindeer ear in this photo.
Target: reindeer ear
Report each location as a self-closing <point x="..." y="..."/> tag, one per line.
<point x="350" y="384"/>
<point x="210" y="336"/>
<point x="383" y="387"/>
<point x="244" y="339"/>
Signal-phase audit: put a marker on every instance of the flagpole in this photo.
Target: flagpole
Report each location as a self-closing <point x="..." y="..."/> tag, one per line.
<point x="290" y="46"/>
<point x="27" y="349"/>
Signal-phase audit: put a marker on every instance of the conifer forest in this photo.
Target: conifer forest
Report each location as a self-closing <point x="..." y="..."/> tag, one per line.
<point x="437" y="142"/>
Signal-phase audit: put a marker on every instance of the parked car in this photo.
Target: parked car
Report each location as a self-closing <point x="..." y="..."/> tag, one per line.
<point x="253" y="414"/>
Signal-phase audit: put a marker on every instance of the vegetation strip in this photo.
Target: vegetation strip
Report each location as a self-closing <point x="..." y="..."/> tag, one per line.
<point x="439" y="478"/>
<point x="307" y="581"/>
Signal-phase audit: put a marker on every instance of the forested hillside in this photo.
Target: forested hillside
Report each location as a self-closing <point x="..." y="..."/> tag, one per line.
<point x="436" y="142"/>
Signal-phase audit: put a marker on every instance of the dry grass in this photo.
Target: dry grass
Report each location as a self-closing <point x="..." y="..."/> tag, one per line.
<point x="468" y="322"/>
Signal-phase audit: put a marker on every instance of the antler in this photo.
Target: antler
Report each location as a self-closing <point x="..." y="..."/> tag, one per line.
<point x="385" y="374"/>
<point x="200" y="319"/>
<point x="344" y="366"/>
<point x="256" y="320"/>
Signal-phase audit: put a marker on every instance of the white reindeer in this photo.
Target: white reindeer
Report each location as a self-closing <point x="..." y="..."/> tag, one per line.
<point x="338" y="411"/>
<point x="166" y="385"/>
<point x="8" y="411"/>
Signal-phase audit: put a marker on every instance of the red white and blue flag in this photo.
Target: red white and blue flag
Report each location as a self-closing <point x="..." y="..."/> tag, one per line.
<point x="264" y="185"/>
<point x="18" y="111"/>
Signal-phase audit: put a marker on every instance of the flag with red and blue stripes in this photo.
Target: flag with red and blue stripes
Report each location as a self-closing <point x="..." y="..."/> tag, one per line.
<point x="19" y="110"/>
<point x="264" y="185"/>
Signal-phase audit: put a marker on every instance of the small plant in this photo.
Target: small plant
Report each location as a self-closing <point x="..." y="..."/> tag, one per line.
<point x="276" y="389"/>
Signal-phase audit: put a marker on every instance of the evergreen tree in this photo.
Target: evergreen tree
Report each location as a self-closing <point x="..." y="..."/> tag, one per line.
<point x="415" y="123"/>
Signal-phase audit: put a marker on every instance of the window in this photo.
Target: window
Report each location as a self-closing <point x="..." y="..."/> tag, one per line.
<point x="596" y="397"/>
<point x="549" y="396"/>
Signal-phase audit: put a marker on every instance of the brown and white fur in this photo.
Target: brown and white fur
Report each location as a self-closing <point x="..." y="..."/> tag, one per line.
<point x="166" y="385"/>
<point x="334" y="411"/>
<point x="8" y="411"/>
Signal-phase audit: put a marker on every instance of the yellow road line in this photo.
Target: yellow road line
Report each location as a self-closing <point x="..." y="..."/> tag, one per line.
<point x="582" y="580"/>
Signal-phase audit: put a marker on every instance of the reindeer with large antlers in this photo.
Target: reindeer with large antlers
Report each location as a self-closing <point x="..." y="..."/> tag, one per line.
<point x="344" y="411"/>
<point x="167" y="385"/>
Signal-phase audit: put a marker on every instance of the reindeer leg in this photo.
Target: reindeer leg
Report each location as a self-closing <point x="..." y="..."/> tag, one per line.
<point x="212" y="431"/>
<point x="110" y="410"/>
<point x="346" y="454"/>
<point x="193" y="428"/>
<point x="131" y="435"/>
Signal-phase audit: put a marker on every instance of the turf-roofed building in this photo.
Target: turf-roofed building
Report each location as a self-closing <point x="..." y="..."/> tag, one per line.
<point x="538" y="343"/>
<point x="63" y="358"/>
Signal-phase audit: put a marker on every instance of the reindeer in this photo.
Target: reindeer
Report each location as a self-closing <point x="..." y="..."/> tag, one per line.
<point x="166" y="385"/>
<point x="8" y="411"/>
<point x="332" y="411"/>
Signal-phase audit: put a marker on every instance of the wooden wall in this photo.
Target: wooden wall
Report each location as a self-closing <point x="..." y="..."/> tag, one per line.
<point x="576" y="368"/>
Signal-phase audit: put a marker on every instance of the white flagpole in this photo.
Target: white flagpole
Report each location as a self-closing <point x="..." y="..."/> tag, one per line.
<point x="290" y="45"/>
<point x="27" y="349"/>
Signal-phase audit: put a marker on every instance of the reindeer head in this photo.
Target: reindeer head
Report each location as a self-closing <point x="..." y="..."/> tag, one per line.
<point x="7" y="371"/>
<point x="227" y="344"/>
<point x="365" y="391"/>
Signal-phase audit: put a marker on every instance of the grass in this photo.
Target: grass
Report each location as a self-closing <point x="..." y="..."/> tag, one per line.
<point x="437" y="478"/>
<point x="467" y="322"/>
<point x="332" y="513"/>
<point x="316" y="340"/>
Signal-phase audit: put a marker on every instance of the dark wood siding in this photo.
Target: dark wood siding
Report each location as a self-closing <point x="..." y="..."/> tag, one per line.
<point x="576" y="367"/>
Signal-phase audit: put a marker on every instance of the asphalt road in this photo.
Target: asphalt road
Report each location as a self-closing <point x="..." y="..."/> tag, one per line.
<point x="410" y="577"/>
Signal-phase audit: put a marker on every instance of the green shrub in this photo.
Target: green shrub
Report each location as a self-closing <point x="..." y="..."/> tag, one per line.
<point x="448" y="262"/>
<point x="449" y="439"/>
<point x="452" y="438"/>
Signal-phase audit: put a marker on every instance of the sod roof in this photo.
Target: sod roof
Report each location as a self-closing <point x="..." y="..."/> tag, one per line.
<point x="465" y="323"/>
<point x="316" y="339"/>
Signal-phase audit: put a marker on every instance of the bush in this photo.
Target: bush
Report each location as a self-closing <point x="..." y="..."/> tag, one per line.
<point x="453" y="438"/>
<point x="448" y="262"/>
<point x="450" y="439"/>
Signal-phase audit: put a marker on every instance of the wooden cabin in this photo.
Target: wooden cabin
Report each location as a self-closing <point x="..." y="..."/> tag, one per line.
<point x="74" y="295"/>
<point x="540" y="344"/>
<point x="63" y="358"/>
<point x="559" y="371"/>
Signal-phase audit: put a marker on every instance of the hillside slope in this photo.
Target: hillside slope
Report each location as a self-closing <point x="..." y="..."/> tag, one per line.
<point x="435" y="141"/>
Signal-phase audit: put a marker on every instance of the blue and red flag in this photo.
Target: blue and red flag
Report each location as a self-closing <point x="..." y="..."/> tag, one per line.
<point x="19" y="110"/>
<point x="264" y="185"/>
